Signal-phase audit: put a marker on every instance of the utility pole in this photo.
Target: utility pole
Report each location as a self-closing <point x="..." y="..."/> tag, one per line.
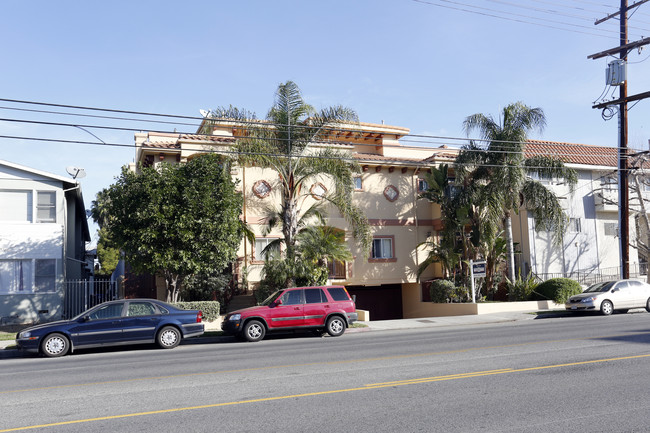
<point x="623" y="170"/>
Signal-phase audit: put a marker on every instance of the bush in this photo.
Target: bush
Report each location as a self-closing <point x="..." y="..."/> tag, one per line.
<point x="558" y="289"/>
<point x="521" y="289"/>
<point x="210" y="309"/>
<point x="442" y="291"/>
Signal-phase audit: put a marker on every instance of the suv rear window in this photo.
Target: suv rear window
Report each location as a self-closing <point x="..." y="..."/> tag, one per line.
<point x="338" y="294"/>
<point x="314" y="296"/>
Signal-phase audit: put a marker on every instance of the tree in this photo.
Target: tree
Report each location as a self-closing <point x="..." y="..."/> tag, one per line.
<point x="175" y="220"/>
<point x="285" y="143"/>
<point x="501" y="170"/>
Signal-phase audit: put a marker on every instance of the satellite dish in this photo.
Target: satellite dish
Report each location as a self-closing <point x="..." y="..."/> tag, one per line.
<point x="204" y="113"/>
<point x="76" y="172"/>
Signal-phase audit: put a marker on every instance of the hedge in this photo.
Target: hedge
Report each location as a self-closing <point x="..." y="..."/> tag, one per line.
<point x="558" y="289"/>
<point x="210" y="309"/>
<point x="442" y="291"/>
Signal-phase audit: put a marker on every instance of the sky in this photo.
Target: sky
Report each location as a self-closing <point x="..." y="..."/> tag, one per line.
<point x="421" y="64"/>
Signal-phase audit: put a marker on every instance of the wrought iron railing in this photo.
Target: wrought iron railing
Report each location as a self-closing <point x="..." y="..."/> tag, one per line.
<point x="83" y="294"/>
<point x="587" y="278"/>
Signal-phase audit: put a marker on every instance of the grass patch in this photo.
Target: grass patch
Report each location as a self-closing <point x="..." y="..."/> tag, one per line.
<point x="6" y="336"/>
<point x="359" y="325"/>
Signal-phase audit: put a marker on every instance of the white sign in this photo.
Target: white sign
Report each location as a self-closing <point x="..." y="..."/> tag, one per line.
<point x="478" y="269"/>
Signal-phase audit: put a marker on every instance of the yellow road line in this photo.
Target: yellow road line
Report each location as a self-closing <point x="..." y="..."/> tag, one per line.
<point x="318" y="393"/>
<point x="277" y="367"/>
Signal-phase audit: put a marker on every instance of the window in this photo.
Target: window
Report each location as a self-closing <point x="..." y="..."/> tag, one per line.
<point x="391" y="193"/>
<point x="382" y="248"/>
<point x="45" y="276"/>
<point x="107" y="312"/>
<point x="46" y="206"/>
<point x="574" y="225"/>
<point x="338" y="293"/>
<point x="318" y="191"/>
<point x="15" y="276"/>
<point x="611" y="229"/>
<point x="336" y="269"/>
<point x="140" y="309"/>
<point x="544" y="178"/>
<point x="609" y="183"/>
<point x="262" y="188"/>
<point x="314" y="296"/>
<point x="452" y="190"/>
<point x="292" y="297"/>
<point x="260" y="245"/>
<point x="358" y="183"/>
<point x="16" y="206"/>
<point x="422" y="185"/>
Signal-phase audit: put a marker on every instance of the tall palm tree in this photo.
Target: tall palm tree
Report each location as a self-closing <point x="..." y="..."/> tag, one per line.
<point x="285" y="143"/>
<point x="502" y="171"/>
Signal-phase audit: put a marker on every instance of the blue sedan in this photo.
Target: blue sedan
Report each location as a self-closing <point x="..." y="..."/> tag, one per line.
<point x="127" y="321"/>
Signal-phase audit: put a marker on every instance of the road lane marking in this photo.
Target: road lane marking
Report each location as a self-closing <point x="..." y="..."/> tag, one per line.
<point x="339" y="362"/>
<point x="335" y="391"/>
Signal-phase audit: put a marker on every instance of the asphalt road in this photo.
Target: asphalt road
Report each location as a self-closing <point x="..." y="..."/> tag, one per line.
<point x="562" y="374"/>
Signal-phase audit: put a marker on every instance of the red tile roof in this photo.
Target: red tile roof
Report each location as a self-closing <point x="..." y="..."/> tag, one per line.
<point x="573" y="153"/>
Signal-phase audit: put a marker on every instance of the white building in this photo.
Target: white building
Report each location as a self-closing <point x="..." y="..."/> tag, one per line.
<point x="43" y="232"/>
<point x="590" y="246"/>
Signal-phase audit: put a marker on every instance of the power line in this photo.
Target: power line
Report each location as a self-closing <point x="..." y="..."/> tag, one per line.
<point x="492" y="13"/>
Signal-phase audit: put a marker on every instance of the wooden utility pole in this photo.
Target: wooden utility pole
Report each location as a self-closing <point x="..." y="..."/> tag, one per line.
<point x="623" y="170"/>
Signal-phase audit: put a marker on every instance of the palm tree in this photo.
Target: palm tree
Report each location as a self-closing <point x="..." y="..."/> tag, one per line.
<point x="501" y="171"/>
<point x="323" y="245"/>
<point x="284" y="143"/>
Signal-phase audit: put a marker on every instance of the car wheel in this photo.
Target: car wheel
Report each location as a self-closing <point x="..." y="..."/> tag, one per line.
<point x="168" y="337"/>
<point x="254" y="331"/>
<point x="647" y="305"/>
<point x="55" y="345"/>
<point x="335" y="326"/>
<point x="606" y="308"/>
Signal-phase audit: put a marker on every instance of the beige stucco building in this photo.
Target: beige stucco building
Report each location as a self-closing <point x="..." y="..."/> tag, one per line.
<point x="386" y="190"/>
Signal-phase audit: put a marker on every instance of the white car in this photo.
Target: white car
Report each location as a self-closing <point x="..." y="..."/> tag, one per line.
<point x="608" y="296"/>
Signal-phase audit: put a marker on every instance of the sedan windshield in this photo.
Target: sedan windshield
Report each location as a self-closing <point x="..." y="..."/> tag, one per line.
<point x="600" y="287"/>
<point x="272" y="298"/>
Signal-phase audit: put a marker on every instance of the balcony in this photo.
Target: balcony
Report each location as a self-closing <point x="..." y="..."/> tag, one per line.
<point x="606" y="200"/>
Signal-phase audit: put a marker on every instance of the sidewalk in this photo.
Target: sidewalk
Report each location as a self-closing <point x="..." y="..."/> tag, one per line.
<point x="383" y="325"/>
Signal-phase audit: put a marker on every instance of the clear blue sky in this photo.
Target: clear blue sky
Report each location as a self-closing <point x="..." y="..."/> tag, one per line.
<point x="421" y="65"/>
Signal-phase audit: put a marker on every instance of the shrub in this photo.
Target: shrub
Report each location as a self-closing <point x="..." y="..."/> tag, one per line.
<point x="522" y="288"/>
<point x="558" y="289"/>
<point x="442" y="291"/>
<point x="210" y="309"/>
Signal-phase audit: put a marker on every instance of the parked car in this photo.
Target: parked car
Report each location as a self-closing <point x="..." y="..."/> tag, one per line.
<point x="327" y="308"/>
<point x="609" y="296"/>
<point x="127" y="321"/>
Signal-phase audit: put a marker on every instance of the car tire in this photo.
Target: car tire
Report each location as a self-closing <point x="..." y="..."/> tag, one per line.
<point x="168" y="337"/>
<point x="55" y="345"/>
<point x="647" y="305"/>
<point x="606" y="308"/>
<point x="335" y="326"/>
<point x="254" y="331"/>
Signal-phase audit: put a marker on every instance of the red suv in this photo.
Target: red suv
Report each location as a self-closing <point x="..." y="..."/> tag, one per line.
<point x="325" y="307"/>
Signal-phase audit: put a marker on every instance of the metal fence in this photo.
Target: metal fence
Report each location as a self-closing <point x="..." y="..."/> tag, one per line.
<point x="83" y="294"/>
<point x="588" y="278"/>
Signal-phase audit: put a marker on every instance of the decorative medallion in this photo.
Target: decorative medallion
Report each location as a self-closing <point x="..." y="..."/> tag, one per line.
<point x="318" y="191"/>
<point x="391" y="193"/>
<point x="261" y="188"/>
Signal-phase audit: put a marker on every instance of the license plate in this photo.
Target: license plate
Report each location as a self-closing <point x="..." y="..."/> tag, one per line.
<point x="574" y="308"/>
